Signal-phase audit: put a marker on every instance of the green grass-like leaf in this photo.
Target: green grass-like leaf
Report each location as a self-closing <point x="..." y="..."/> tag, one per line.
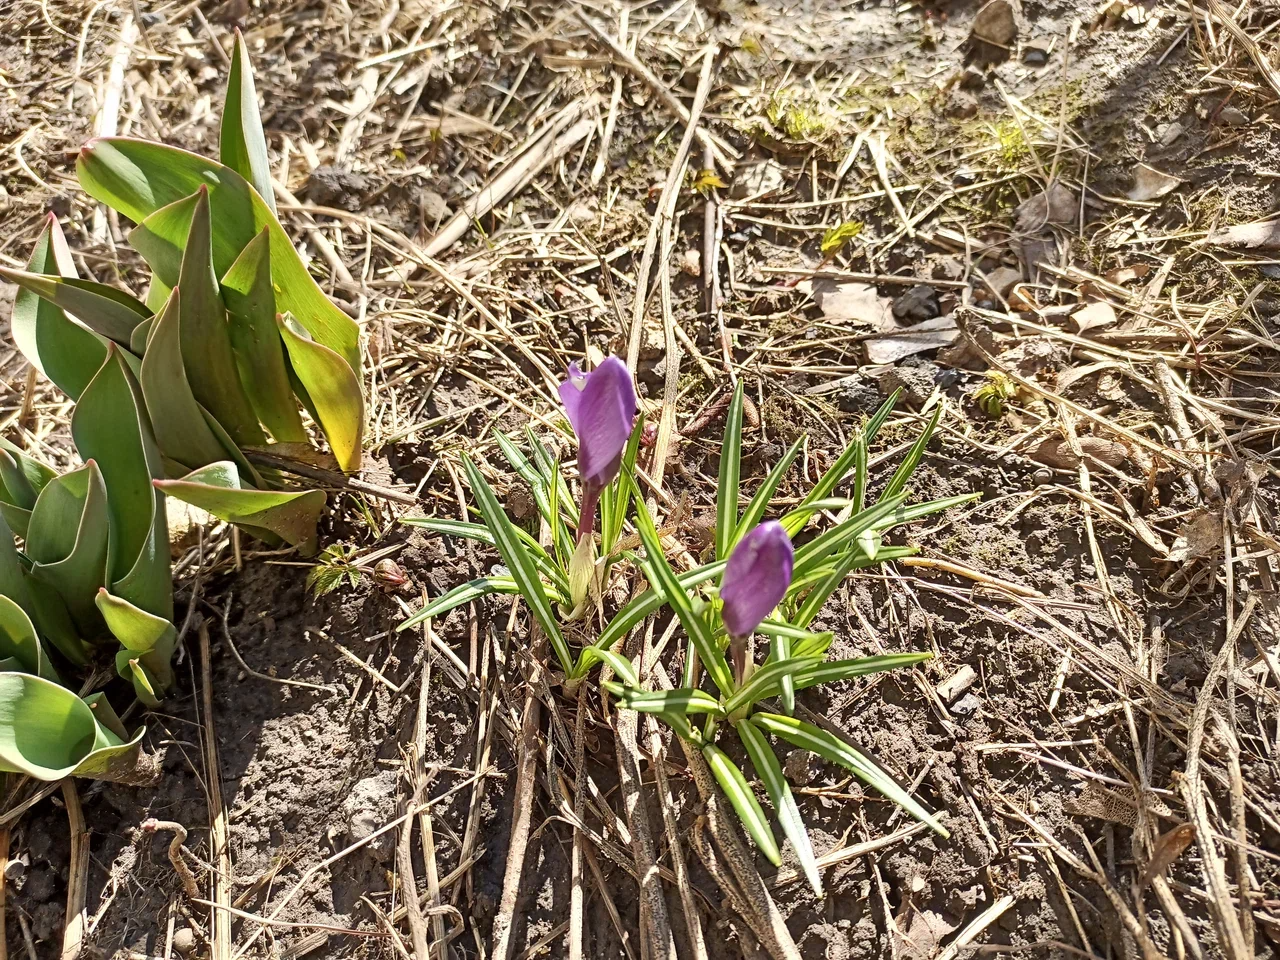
<point x="784" y="804"/>
<point x="463" y="593"/>
<point x="832" y="748"/>
<point x="743" y="800"/>
<point x="730" y="474"/>
<point x="523" y="569"/>
<point x="661" y="574"/>
<point x="683" y="700"/>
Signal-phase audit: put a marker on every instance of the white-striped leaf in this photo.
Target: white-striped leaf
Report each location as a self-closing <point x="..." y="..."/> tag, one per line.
<point x="784" y="804"/>
<point x="743" y="800"/>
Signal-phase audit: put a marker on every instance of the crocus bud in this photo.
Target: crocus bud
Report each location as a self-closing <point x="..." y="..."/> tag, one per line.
<point x="602" y="410"/>
<point x="756" y="578"/>
<point x="582" y="569"/>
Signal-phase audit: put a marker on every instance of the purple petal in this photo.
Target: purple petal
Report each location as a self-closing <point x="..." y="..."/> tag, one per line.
<point x="756" y="578"/>
<point x="571" y="394"/>
<point x="605" y="413"/>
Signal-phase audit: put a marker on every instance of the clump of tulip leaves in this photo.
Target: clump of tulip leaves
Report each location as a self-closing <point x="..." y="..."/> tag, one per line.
<point x="232" y="337"/>
<point x="758" y="583"/>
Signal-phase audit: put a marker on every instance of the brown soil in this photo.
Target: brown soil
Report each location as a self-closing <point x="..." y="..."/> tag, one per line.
<point x="1063" y="704"/>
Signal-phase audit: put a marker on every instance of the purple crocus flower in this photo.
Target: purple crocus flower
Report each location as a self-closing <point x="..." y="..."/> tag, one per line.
<point x="756" y="578"/>
<point x="602" y="410"/>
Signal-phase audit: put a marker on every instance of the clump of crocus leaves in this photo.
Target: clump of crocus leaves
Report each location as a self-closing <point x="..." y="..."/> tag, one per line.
<point x="760" y="583"/>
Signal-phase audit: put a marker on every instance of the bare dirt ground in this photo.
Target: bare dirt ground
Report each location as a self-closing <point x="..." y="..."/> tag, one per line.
<point x="1037" y="239"/>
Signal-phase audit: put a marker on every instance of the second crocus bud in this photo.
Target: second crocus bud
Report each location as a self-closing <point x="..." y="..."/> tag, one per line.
<point x="755" y="580"/>
<point x="601" y="406"/>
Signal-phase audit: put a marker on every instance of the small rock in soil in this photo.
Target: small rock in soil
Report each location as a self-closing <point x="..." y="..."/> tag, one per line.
<point x="972" y="79"/>
<point x="330" y="186"/>
<point x="1035" y="56"/>
<point x="961" y="105"/>
<point x="918" y="303"/>
<point x="916" y="382"/>
<point x="857" y="395"/>
<point x="1058" y="206"/>
<point x="46" y="921"/>
<point x="968" y="704"/>
<point x="799" y="767"/>
<point x="764" y="176"/>
<point x="1002" y="279"/>
<point x="1232" y="117"/>
<point x="434" y="207"/>
<point x="369" y="807"/>
<point x="40" y="885"/>
<point x="184" y="941"/>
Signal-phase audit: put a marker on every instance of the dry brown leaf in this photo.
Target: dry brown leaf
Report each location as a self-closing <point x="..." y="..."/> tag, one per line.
<point x="1150" y="183"/>
<point x="847" y="300"/>
<point x="1168" y="848"/>
<point x="905" y="341"/>
<point x="1265" y="234"/>
<point x="1122" y="275"/>
<point x="1091" y="316"/>
<point x="1200" y="536"/>
<point x="1059" y="455"/>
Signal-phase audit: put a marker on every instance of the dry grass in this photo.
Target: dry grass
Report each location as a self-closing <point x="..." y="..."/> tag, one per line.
<point x="560" y="139"/>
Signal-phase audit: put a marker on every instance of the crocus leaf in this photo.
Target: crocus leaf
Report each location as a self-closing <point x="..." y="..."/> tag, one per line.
<point x="832" y="748"/>
<point x="138" y="177"/>
<point x="463" y="593"/>
<point x="838" y="536"/>
<point x="105" y="310"/>
<point x="523" y="570"/>
<point x="784" y="804"/>
<point x="754" y="513"/>
<point x="730" y="472"/>
<point x="684" y="700"/>
<point x="242" y="145"/>
<point x="48" y="733"/>
<point x="616" y="662"/>
<point x="802" y="643"/>
<point x="271" y="515"/>
<point x="898" y="482"/>
<point x="332" y="387"/>
<point x="743" y="800"/>
<point x="251" y="309"/>
<point x="110" y="425"/>
<point x="817" y="673"/>
<point x="145" y="638"/>
<point x="63" y="350"/>
<point x="661" y="575"/>
<point x="179" y="423"/>
<point x="645" y="603"/>
<point x="206" y="343"/>
<point x="67" y="543"/>
<point x="19" y="643"/>
<point x="480" y="533"/>
<point x="764" y="682"/>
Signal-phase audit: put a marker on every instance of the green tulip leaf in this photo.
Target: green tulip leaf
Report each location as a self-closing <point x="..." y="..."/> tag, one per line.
<point x="206" y="343"/>
<point x="105" y="310"/>
<point x="67" y="543"/>
<point x="181" y="430"/>
<point x="147" y="641"/>
<point x="110" y="426"/>
<point x="48" y="733"/>
<point x="19" y="644"/>
<point x="270" y="515"/>
<point x="332" y="387"/>
<point x="136" y="178"/>
<point x="64" y="351"/>
<point x="255" y="339"/>
<point x="242" y="145"/>
<point x="161" y="237"/>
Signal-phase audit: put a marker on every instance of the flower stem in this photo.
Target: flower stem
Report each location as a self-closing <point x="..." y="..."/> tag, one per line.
<point x="587" y="513"/>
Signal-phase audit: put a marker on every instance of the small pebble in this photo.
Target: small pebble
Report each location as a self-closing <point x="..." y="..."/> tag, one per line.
<point x="1035" y="56"/>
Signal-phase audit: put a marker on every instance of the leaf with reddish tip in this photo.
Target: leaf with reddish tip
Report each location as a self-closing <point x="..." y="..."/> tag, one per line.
<point x="109" y="312"/>
<point x="63" y="350"/>
<point x="137" y="177"/>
